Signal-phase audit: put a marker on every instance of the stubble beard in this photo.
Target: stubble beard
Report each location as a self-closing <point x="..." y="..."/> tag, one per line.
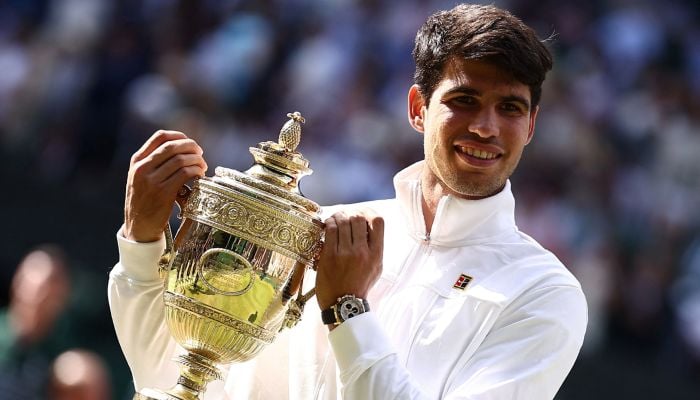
<point x="472" y="185"/>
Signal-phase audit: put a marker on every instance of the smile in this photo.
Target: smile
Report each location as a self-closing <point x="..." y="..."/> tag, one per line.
<point x="480" y="154"/>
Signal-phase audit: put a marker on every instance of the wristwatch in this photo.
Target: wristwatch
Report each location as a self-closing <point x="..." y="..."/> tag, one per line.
<point x="347" y="307"/>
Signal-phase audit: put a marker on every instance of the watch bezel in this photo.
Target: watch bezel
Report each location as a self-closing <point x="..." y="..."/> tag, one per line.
<point x="349" y="306"/>
<point x="335" y="315"/>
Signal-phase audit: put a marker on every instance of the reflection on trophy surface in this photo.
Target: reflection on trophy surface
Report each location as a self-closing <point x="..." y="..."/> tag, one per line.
<point x="234" y="271"/>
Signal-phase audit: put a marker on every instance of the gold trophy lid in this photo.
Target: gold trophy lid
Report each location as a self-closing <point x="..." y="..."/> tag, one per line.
<point x="277" y="169"/>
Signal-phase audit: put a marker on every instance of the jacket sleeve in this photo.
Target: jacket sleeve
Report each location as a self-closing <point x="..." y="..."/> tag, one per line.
<point x="527" y="353"/>
<point x="135" y="294"/>
<point x="368" y="366"/>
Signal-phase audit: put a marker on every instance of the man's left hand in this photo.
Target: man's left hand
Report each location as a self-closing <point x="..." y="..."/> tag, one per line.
<point x="351" y="258"/>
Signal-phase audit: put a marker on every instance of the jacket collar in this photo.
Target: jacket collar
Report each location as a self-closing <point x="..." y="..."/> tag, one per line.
<point x="457" y="221"/>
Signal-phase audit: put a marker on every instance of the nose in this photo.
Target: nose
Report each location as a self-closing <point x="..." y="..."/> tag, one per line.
<point x="484" y="123"/>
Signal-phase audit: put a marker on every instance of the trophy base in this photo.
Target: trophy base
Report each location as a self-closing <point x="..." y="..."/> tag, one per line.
<point x="150" y="394"/>
<point x="196" y="371"/>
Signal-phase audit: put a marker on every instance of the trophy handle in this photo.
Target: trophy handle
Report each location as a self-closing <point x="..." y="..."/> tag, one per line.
<point x="296" y="307"/>
<point x="164" y="263"/>
<point x="182" y="196"/>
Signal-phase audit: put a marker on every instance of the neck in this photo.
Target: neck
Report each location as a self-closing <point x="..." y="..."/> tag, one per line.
<point x="432" y="190"/>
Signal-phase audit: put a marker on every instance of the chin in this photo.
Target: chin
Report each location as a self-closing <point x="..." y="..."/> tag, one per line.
<point x="477" y="189"/>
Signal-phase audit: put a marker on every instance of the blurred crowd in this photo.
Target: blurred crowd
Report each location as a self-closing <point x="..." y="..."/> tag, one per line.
<point x="37" y="360"/>
<point x="610" y="183"/>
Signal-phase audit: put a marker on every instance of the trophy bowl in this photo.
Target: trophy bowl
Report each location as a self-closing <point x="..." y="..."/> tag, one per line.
<point x="233" y="273"/>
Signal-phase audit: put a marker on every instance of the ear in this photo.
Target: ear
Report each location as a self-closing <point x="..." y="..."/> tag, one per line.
<point x="533" y="118"/>
<point x="416" y="109"/>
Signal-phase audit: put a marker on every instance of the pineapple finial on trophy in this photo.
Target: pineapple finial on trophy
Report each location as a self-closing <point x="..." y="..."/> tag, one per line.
<point x="279" y="163"/>
<point x="290" y="134"/>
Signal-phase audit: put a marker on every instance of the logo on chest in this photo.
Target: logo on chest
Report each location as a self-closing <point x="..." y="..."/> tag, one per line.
<point x="462" y="282"/>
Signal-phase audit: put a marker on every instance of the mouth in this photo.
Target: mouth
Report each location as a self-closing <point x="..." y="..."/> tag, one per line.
<point x="476" y="153"/>
<point x="478" y="157"/>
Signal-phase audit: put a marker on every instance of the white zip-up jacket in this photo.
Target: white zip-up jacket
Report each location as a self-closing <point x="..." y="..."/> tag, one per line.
<point x="512" y="332"/>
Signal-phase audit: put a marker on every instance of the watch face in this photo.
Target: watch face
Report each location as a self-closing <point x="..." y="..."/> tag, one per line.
<point x="350" y="308"/>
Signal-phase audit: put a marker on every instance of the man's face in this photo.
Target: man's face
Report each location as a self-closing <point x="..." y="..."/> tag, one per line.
<point x="476" y="125"/>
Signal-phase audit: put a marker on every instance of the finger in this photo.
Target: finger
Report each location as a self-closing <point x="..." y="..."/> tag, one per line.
<point x="376" y="234"/>
<point x="330" y="241"/>
<point x="170" y="167"/>
<point x="180" y="177"/>
<point x="154" y="141"/>
<point x="172" y="148"/>
<point x="359" y="230"/>
<point x="344" y="229"/>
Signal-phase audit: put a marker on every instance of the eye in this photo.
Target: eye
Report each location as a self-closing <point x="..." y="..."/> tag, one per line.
<point x="512" y="108"/>
<point x="464" y="100"/>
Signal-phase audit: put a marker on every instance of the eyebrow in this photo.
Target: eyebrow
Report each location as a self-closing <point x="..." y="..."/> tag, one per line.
<point x="473" y="92"/>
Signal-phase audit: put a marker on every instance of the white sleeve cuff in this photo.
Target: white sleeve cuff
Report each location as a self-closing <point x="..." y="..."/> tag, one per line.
<point x="139" y="261"/>
<point x="359" y="343"/>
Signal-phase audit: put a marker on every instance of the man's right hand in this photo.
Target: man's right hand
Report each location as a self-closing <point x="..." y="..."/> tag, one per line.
<point x="157" y="171"/>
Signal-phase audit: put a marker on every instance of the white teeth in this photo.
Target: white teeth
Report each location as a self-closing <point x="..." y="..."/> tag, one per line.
<point x="482" y="154"/>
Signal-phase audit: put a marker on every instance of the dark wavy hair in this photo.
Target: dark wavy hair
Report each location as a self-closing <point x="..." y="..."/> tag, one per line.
<point x="480" y="32"/>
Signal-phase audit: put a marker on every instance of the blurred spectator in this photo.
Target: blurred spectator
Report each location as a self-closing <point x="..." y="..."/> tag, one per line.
<point x="79" y="375"/>
<point x="31" y="330"/>
<point x="686" y="303"/>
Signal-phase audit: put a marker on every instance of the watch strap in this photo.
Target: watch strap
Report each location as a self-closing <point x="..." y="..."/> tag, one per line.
<point x="328" y="316"/>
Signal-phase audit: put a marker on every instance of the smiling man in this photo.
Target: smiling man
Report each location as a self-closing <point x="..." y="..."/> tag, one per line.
<point x="434" y="294"/>
<point x="476" y="123"/>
